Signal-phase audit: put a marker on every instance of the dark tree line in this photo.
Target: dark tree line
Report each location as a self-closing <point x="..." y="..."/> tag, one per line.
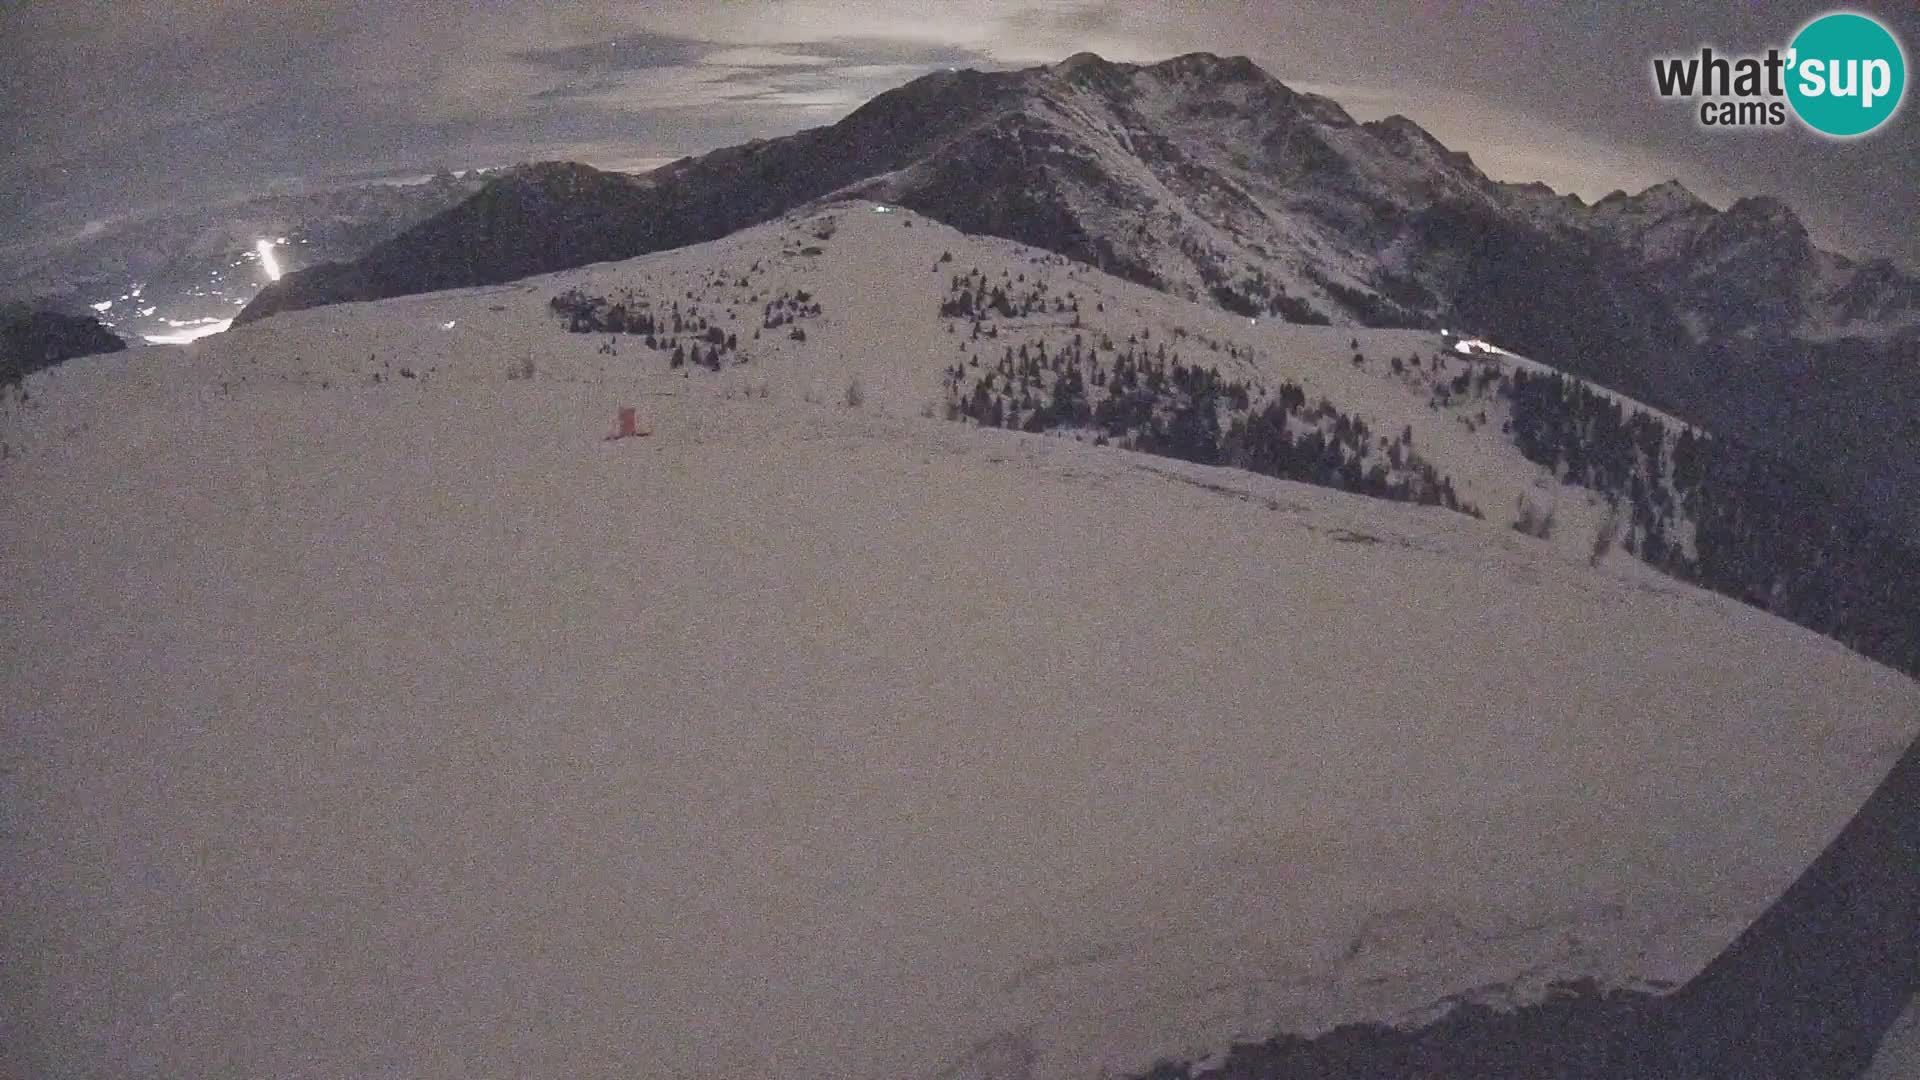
<point x="1259" y="296"/>
<point x="1152" y="402"/>
<point x="686" y="336"/>
<point x="1587" y="438"/>
<point x="972" y="296"/>
<point x="1337" y="454"/>
<point x="1764" y="531"/>
<point x="788" y="308"/>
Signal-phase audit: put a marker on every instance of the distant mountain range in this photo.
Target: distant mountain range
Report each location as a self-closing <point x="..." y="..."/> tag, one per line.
<point x="1207" y="178"/>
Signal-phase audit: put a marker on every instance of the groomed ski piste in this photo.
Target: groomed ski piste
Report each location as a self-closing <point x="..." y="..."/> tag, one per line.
<point x="374" y="714"/>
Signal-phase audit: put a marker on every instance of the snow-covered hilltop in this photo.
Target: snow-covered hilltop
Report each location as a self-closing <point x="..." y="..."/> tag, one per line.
<point x="375" y="713"/>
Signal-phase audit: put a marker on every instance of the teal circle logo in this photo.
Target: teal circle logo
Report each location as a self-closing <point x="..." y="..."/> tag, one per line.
<point x="1847" y="74"/>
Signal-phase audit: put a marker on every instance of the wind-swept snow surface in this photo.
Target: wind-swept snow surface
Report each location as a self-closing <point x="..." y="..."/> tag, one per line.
<point x="409" y="728"/>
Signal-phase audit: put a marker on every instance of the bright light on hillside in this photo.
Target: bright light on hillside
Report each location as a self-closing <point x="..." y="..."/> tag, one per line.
<point x="265" y="248"/>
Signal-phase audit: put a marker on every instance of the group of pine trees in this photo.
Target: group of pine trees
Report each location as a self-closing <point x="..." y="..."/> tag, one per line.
<point x="972" y="296"/>
<point x="630" y="314"/>
<point x="1149" y="400"/>
<point x="687" y="336"/>
<point x="788" y="308"/>
<point x="1588" y="438"/>
<point x="1336" y="450"/>
<point x="1763" y="532"/>
<point x="1278" y="304"/>
<point x="1256" y="295"/>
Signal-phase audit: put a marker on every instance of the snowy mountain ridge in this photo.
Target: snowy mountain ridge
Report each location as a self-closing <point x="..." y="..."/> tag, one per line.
<point x="1209" y="179"/>
<point x="1197" y="174"/>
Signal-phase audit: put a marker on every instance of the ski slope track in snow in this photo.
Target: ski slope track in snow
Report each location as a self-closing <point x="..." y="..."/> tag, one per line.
<point x="374" y="715"/>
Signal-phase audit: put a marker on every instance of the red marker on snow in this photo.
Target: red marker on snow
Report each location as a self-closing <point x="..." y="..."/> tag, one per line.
<point x="627" y="430"/>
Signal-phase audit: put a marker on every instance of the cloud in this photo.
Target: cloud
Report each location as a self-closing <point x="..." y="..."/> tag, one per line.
<point x="1514" y="146"/>
<point x="759" y="56"/>
<point x="659" y="72"/>
<point x="691" y="86"/>
<point x="628" y="52"/>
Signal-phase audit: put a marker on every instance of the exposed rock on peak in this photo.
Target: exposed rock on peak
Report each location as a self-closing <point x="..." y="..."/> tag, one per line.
<point x="1669" y="194"/>
<point x="1411" y="140"/>
<point x="1663" y="200"/>
<point x="1092" y="71"/>
<point x="1763" y="212"/>
<point x="1208" y="65"/>
<point x="1082" y="61"/>
<point x="1404" y="128"/>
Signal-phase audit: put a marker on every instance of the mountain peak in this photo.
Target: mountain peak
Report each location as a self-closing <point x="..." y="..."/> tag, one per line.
<point x="1226" y="69"/>
<point x="1766" y="211"/>
<point x="1658" y="203"/>
<point x="557" y="181"/>
<point x="1090" y="69"/>
<point x="1403" y="128"/>
<point x="1669" y="195"/>
<point x="1082" y="61"/>
<point x="1407" y="138"/>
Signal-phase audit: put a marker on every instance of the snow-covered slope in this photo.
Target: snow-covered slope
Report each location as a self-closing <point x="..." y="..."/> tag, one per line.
<point x="1899" y="1056"/>
<point x="374" y="715"/>
<point x="879" y="276"/>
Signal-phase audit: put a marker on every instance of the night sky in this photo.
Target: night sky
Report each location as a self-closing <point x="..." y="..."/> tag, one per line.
<point x="109" y="108"/>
